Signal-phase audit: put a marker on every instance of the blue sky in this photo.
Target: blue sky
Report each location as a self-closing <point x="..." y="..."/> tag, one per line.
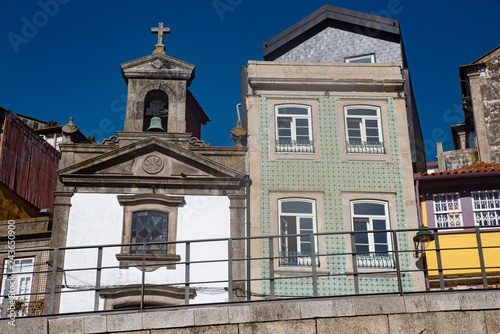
<point x="61" y="58"/>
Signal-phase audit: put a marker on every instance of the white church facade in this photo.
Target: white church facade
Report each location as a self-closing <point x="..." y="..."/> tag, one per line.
<point x="155" y="182"/>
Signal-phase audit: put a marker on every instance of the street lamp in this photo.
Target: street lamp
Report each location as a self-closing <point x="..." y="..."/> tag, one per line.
<point x="423" y="235"/>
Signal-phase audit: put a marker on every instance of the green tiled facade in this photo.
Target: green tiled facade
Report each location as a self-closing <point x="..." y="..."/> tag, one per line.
<point x="332" y="176"/>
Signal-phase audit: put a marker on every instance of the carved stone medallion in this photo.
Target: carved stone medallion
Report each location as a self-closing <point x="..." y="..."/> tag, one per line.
<point x="152" y="164"/>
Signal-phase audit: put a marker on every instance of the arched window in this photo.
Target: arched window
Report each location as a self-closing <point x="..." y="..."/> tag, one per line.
<point x="373" y="248"/>
<point x="155" y="105"/>
<point x="293" y="128"/>
<point x="363" y="130"/>
<point x="296" y="216"/>
<point x="149" y="226"/>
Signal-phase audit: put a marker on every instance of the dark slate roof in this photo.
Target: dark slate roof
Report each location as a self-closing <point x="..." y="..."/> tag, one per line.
<point x="329" y="15"/>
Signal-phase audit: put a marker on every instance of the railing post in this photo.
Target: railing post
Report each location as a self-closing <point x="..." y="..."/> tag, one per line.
<point x="53" y="281"/>
<point x="143" y="279"/>
<point x="354" y="264"/>
<point x="481" y="257"/>
<point x="98" y="278"/>
<point x="313" y="265"/>
<point x="6" y="299"/>
<point x="186" y="273"/>
<point x="438" y="258"/>
<point x="271" y="268"/>
<point x="396" y="258"/>
<point x="230" y="268"/>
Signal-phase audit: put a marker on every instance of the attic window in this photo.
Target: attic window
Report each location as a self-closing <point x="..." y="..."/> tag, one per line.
<point x="370" y="58"/>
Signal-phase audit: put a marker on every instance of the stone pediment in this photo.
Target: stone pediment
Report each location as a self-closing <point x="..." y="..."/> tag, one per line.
<point x="148" y="161"/>
<point x="158" y="66"/>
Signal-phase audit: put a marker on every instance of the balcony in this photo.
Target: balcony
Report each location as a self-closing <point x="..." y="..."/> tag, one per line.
<point x="294" y="146"/>
<point x="296" y="259"/>
<point x="375" y="260"/>
<point x="365" y="147"/>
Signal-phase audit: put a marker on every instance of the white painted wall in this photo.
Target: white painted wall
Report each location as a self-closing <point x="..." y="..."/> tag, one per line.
<point x="97" y="219"/>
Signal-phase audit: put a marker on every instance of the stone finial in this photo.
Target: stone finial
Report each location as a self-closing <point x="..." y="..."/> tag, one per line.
<point x="239" y="135"/>
<point x="159" y="47"/>
<point x="70" y="127"/>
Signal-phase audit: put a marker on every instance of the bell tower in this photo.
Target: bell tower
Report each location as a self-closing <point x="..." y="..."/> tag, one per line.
<point x="157" y="97"/>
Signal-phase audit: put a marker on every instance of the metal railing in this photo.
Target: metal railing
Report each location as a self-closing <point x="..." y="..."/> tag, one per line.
<point x="367" y="147"/>
<point x="296" y="146"/>
<point x="288" y="258"/>
<point x="95" y="283"/>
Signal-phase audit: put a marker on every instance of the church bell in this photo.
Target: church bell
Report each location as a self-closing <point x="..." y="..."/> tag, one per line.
<point x="155" y="125"/>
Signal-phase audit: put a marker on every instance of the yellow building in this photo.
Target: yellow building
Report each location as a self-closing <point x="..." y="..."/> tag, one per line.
<point x="463" y="206"/>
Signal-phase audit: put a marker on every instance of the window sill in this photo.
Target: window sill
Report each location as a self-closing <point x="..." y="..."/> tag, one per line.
<point x="299" y="271"/>
<point x="153" y="261"/>
<point x="374" y="272"/>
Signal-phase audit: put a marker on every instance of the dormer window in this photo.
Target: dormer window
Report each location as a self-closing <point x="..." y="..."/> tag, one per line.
<point x="370" y="58"/>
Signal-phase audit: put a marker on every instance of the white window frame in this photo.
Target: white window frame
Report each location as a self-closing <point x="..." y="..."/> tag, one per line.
<point x="373" y="260"/>
<point x="294" y="146"/>
<point x="447" y="205"/>
<point x="490" y="210"/>
<point x="26" y="274"/>
<point x="299" y="259"/>
<point x="363" y="146"/>
<point x="356" y="59"/>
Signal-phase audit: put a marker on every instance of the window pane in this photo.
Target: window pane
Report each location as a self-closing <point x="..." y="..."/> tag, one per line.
<point x="362" y="248"/>
<point x="380" y="238"/>
<point x="371" y="123"/>
<point x="303" y="132"/>
<point x="293" y="111"/>
<point x="353" y="123"/>
<point x="306" y="224"/>
<point x="305" y="247"/>
<point x="302" y="122"/>
<point x="361" y="112"/>
<point x="372" y="139"/>
<point x="381" y="248"/>
<point x="379" y="224"/>
<point x="369" y="209"/>
<point x="284" y="123"/>
<point x="296" y="207"/>
<point x="361" y="60"/>
<point x="372" y="132"/>
<point x="284" y="133"/>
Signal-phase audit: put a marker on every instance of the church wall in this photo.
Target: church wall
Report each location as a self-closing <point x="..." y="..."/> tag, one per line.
<point x="97" y="219"/>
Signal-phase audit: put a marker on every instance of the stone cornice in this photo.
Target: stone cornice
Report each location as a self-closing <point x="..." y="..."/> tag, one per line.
<point x="150" y="199"/>
<point x="147" y="181"/>
<point x="326" y="84"/>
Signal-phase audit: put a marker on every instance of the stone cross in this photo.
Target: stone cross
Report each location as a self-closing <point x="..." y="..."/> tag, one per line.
<point x="160" y="48"/>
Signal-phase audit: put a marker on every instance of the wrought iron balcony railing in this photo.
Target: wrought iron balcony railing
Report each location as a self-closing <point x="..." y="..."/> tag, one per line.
<point x="296" y="259"/>
<point x="296" y="146"/>
<point x="370" y="147"/>
<point x="375" y="260"/>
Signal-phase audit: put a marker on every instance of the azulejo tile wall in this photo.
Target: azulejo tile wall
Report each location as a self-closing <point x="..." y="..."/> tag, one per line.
<point x="332" y="176"/>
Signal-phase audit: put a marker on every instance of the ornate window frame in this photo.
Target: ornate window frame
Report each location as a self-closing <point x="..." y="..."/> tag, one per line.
<point x="372" y="102"/>
<point x="318" y="198"/>
<point x="309" y="102"/>
<point x="149" y="202"/>
<point x="284" y="112"/>
<point x="374" y="196"/>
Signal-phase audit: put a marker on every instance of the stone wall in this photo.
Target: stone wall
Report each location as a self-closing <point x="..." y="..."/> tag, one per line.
<point x="475" y="312"/>
<point x="490" y="89"/>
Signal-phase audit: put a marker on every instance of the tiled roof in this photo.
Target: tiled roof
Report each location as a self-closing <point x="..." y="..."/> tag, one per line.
<point x="477" y="167"/>
<point x="49" y="129"/>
